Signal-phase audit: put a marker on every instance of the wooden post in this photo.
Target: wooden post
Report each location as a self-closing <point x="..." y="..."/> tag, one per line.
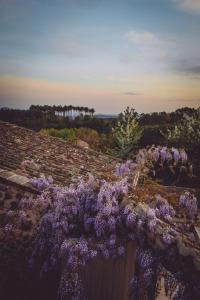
<point x="109" y="279"/>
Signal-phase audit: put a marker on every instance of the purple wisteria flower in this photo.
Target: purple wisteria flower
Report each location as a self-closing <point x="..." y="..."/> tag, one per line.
<point x="120" y="187"/>
<point x="88" y="223"/>
<point x="163" y="209"/>
<point x="11" y="213"/>
<point x="140" y="224"/>
<point x="167" y="238"/>
<point x="89" y="219"/>
<point x="99" y="226"/>
<point x="176" y="154"/>
<point x="121" y="250"/>
<point x="112" y="224"/>
<point x="132" y="236"/>
<point x="8" y="228"/>
<point x="26" y="203"/>
<point x="189" y="201"/>
<point x="148" y="277"/>
<point x="135" y="284"/>
<point x="122" y="170"/>
<point x="42" y="182"/>
<point x="144" y="258"/>
<point x="163" y="154"/>
<point x="183" y="156"/>
<point x="151" y="214"/>
<point x="105" y="253"/>
<point x="126" y="168"/>
<point x="112" y="241"/>
<point x="156" y="154"/>
<point x="152" y="225"/>
<point x="107" y="210"/>
<point x="93" y="253"/>
<point x="166" y="210"/>
<point x="131" y="220"/>
<point x="169" y="156"/>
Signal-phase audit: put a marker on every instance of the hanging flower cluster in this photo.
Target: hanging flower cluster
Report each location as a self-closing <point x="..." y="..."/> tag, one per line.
<point x="150" y="161"/>
<point x="91" y="219"/>
<point x="42" y="182"/>
<point x="168" y="155"/>
<point x="85" y="220"/>
<point x="189" y="202"/>
<point x="126" y="168"/>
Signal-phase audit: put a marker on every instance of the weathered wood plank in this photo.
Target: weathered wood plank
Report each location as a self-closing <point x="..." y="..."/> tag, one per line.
<point x="109" y="279"/>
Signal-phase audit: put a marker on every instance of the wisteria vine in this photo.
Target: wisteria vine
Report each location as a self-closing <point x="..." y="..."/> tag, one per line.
<point x="91" y="219"/>
<point x="152" y="160"/>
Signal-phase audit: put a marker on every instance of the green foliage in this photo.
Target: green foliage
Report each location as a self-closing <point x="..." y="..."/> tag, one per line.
<point x="49" y="131"/>
<point x="127" y="132"/>
<point x="186" y="133"/>
<point x="65" y="133"/>
<point x="90" y="136"/>
<point x="98" y="141"/>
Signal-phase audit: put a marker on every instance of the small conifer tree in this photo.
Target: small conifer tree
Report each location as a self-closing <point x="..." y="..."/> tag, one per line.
<point x="127" y="132"/>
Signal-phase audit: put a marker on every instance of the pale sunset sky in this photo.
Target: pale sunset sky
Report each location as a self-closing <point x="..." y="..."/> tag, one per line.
<point x="105" y="54"/>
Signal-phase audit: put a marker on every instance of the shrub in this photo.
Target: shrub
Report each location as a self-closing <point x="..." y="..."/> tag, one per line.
<point x="127" y="132"/>
<point x="186" y="133"/>
<point x="89" y="136"/>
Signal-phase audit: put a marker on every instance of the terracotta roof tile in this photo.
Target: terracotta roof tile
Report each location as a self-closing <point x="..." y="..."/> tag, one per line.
<point x="30" y="154"/>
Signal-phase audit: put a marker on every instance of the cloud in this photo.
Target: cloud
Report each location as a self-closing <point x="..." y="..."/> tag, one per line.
<point x="188" y="67"/>
<point x="191" y="6"/>
<point x="131" y="94"/>
<point x="188" y="101"/>
<point x="142" y="37"/>
<point x="151" y="50"/>
<point x="193" y="69"/>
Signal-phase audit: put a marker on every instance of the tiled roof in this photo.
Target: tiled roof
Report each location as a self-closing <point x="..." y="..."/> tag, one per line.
<point x="17" y="180"/>
<point x="27" y="153"/>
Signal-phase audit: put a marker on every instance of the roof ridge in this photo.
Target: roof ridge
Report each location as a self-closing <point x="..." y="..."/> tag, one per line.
<point x="17" y="179"/>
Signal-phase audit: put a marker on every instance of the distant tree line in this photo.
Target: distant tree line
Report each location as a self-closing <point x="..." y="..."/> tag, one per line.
<point x="69" y="116"/>
<point x="163" y="117"/>
<point x="65" y="111"/>
<point x="56" y="116"/>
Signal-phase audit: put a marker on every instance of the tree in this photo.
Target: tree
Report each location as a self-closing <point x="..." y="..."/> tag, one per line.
<point x="127" y="132"/>
<point x="186" y="133"/>
<point x="92" y="111"/>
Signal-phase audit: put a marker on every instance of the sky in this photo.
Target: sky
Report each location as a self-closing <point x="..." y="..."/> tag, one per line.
<point x="105" y="54"/>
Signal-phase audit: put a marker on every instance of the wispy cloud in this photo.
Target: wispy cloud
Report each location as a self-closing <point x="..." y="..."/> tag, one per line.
<point x="142" y="37"/>
<point x="188" y="101"/>
<point x="188" y="67"/>
<point x="151" y="49"/>
<point x="193" y="69"/>
<point x="191" y="6"/>
<point x="131" y="94"/>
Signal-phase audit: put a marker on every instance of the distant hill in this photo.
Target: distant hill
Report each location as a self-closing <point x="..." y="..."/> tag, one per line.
<point x="102" y="116"/>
